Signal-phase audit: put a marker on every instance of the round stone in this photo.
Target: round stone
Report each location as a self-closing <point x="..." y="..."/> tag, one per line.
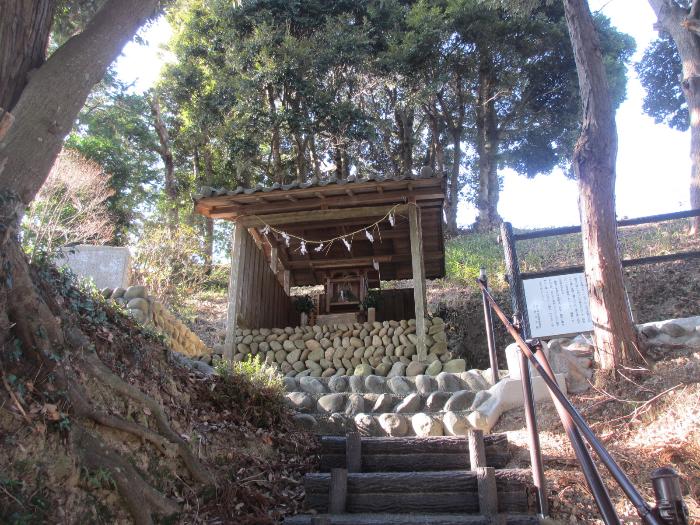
<point x="459" y="401"/>
<point x="455" y="425"/>
<point x="399" y="386"/>
<point x="375" y="384"/>
<point x="409" y="405"/>
<point x="436" y="401"/>
<point x="425" y="426"/>
<point x="331" y="403"/>
<point x="312" y="385"/>
<point x="338" y="384"/>
<point x="300" y="401"/>
<point x="356" y="404"/>
<point x="394" y="425"/>
<point x="383" y="404"/>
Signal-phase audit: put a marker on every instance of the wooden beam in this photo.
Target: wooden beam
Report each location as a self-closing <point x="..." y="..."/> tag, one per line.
<point x="280" y="219"/>
<point x="418" y="278"/>
<point x="237" y="260"/>
<point x="432" y="195"/>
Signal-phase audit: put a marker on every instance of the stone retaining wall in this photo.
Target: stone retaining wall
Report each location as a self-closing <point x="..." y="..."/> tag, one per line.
<point x="383" y="349"/>
<point x="147" y="310"/>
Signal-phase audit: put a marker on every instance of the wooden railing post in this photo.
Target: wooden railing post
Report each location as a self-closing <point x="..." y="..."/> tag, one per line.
<point x="353" y="452"/>
<point x="338" y="495"/>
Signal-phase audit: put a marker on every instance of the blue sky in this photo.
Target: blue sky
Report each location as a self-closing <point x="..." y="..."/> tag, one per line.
<point x="653" y="165"/>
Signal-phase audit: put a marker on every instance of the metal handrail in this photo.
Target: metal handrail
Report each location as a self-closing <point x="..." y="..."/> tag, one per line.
<point x="666" y="486"/>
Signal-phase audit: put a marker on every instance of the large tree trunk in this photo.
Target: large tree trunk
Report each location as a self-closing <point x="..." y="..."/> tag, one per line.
<point x="453" y="190"/>
<point x="487" y="147"/>
<point x="682" y="27"/>
<point x="275" y="143"/>
<point x="314" y="157"/>
<point x="455" y="126"/>
<point x="56" y="92"/>
<point x="404" y="117"/>
<point x="24" y="35"/>
<point x="208" y="221"/>
<point x="166" y="154"/>
<point x="44" y="114"/>
<point x="594" y="165"/>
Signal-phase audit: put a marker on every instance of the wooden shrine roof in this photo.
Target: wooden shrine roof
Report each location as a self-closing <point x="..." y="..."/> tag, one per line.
<point x="325" y="209"/>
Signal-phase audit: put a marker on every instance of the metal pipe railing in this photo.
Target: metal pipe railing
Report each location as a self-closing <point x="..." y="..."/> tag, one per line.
<point x="488" y="320"/>
<point x="536" y="463"/>
<point x="590" y="471"/>
<point x="643" y="509"/>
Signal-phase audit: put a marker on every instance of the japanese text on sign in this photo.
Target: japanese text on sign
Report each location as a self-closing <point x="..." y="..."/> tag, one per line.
<point x="557" y="305"/>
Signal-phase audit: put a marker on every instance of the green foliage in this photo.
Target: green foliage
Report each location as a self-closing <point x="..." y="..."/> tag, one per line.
<point x="371" y="300"/>
<point x="255" y="389"/>
<point x="304" y="304"/>
<point x="467" y="254"/>
<point x="114" y="129"/>
<point x="169" y="263"/>
<point x="660" y="71"/>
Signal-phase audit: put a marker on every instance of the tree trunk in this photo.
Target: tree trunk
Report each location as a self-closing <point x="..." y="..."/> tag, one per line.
<point x="453" y="190"/>
<point x="166" y="154"/>
<point x="277" y="173"/>
<point x="404" y="118"/>
<point x="208" y="222"/>
<point x="679" y="24"/>
<point x="24" y="35"/>
<point x="338" y="157"/>
<point x="487" y="147"/>
<point x="55" y="93"/>
<point x="594" y="166"/>
<point x="300" y="157"/>
<point x="314" y="157"/>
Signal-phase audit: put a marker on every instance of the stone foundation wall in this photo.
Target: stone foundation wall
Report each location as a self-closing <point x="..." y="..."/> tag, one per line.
<point x="146" y="310"/>
<point x="379" y="348"/>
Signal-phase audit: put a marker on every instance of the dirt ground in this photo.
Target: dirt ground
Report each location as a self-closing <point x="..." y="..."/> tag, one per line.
<point x="648" y="421"/>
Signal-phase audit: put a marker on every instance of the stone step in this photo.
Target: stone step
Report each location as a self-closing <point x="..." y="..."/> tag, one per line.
<point x="351" y="404"/>
<point x="413" y="454"/>
<point x="473" y="380"/>
<point x="388" y="424"/>
<point x="453" y="491"/>
<point x="410" y="519"/>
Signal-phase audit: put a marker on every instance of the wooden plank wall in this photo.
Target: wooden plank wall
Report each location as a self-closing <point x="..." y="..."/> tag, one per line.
<point x="263" y="301"/>
<point x="396" y="304"/>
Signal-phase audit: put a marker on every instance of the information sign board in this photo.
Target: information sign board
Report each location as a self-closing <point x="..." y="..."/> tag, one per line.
<point x="557" y="305"/>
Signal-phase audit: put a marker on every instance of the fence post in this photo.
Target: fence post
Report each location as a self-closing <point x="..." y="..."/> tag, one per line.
<point x="488" y="320"/>
<point x="515" y="283"/>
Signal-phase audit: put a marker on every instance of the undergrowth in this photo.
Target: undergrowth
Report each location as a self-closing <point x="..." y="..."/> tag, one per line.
<point x="254" y="387"/>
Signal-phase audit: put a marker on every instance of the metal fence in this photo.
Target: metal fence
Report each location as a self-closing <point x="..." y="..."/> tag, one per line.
<point x="515" y="278"/>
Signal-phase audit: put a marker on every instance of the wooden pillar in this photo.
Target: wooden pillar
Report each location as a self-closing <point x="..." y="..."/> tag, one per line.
<point x="273" y="259"/>
<point x="285" y="281"/>
<point x="414" y="223"/>
<point x="238" y="244"/>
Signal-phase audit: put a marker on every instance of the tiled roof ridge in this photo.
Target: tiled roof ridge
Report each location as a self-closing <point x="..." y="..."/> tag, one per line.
<point x="207" y="191"/>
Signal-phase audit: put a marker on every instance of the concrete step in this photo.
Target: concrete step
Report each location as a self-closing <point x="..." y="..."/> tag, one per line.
<point x="409" y="519"/>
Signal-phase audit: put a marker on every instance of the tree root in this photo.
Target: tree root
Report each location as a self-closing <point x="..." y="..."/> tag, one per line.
<point x="29" y="310"/>
<point x="141" y="499"/>
<point x="83" y="409"/>
<point x="100" y="371"/>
